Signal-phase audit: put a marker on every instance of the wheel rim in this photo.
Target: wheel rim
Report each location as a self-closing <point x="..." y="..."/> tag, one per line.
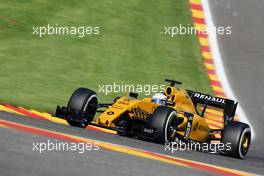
<point x="90" y="107"/>
<point x="171" y="127"/>
<point x="244" y="142"/>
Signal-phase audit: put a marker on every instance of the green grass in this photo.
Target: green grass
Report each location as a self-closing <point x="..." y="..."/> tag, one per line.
<point x="42" y="72"/>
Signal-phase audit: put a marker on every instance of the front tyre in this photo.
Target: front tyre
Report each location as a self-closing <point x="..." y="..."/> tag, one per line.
<point x="237" y="136"/>
<point x="83" y="100"/>
<point x="164" y="120"/>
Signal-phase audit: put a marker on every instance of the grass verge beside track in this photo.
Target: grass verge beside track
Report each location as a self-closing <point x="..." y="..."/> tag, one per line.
<point x="42" y="72"/>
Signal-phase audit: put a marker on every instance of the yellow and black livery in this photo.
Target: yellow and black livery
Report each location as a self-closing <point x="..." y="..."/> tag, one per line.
<point x="181" y="118"/>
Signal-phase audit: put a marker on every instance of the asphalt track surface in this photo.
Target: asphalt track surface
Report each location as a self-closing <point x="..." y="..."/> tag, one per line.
<point x="16" y="151"/>
<point x="243" y="57"/>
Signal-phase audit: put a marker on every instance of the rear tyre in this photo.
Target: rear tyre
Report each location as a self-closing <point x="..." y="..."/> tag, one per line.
<point x="83" y="100"/>
<point x="237" y="136"/>
<point x="164" y="120"/>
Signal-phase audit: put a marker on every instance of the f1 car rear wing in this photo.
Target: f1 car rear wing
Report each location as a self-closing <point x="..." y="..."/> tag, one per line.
<point x="229" y="106"/>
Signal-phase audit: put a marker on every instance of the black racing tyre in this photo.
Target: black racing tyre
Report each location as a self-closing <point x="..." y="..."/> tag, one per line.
<point x="164" y="120"/>
<point x="84" y="100"/>
<point x="237" y="135"/>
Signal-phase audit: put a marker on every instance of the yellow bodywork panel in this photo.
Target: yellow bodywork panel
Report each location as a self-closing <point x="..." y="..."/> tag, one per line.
<point x="181" y="99"/>
<point x="178" y="99"/>
<point x="126" y="104"/>
<point x="199" y="131"/>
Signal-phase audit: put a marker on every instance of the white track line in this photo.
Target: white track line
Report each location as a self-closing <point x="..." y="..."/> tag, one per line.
<point x="219" y="64"/>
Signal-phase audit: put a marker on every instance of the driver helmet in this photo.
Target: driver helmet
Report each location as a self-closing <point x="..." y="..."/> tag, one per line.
<point x="159" y="98"/>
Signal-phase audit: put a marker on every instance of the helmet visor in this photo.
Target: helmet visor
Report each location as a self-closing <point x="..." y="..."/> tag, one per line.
<point x="159" y="101"/>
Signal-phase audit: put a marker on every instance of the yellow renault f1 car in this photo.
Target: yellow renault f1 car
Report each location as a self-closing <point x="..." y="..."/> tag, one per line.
<point x="174" y="115"/>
